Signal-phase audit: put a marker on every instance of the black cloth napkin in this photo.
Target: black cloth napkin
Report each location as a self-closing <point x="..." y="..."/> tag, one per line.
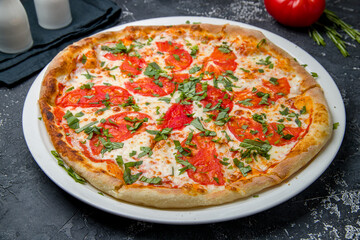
<point x="88" y="16"/>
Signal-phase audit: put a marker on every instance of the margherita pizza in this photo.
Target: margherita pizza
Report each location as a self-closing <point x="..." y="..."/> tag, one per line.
<point x="182" y="116"/>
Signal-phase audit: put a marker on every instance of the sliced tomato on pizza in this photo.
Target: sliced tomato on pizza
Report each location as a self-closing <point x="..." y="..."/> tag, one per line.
<point x="115" y="56"/>
<point x="151" y="87"/>
<point x="252" y="99"/>
<point x="179" y="60"/>
<point x="93" y="96"/>
<point x="279" y="134"/>
<point x="280" y="87"/>
<point x="180" y="77"/>
<point x="245" y="128"/>
<point x="168" y="46"/>
<point x="202" y="153"/>
<point x="132" y="65"/>
<point x="222" y="59"/>
<point x="177" y="116"/>
<point x="118" y="128"/>
<point x="216" y="100"/>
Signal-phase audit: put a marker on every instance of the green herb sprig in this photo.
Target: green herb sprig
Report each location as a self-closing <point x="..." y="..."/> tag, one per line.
<point x="69" y="170"/>
<point x="330" y="23"/>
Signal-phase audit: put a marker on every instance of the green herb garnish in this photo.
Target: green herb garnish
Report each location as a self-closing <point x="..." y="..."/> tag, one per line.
<point x="69" y="170"/>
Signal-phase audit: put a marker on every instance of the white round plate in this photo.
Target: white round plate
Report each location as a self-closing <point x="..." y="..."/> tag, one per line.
<point x="40" y="146"/>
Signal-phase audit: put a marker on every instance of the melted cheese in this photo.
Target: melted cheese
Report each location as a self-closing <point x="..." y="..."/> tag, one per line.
<point x="162" y="163"/>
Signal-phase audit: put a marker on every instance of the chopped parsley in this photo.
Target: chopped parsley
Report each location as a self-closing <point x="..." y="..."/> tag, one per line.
<point x="189" y="138"/>
<point x="224" y="48"/>
<point x="87" y="85"/>
<point x="262" y="42"/>
<point x="195" y="69"/>
<point x="165" y="99"/>
<point x="182" y="151"/>
<point x="198" y="125"/>
<point x="69" y="89"/>
<point x="160" y="135"/>
<point x="154" y="180"/>
<point x="145" y="151"/>
<point x="130" y="102"/>
<point x="246" y="102"/>
<point x="155" y="71"/>
<point x="274" y="81"/>
<point x="127" y="176"/>
<point x="136" y="123"/>
<point x="186" y="164"/>
<point x="177" y="58"/>
<point x="69" y="170"/>
<point x="86" y="126"/>
<point x="83" y="59"/>
<point x="259" y="147"/>
<point x="266" y="62"/>
<point x="119" y="160"/>
<point x="119" y="48"/>
<point x="314" y="74"/>
<point x="72" y="121"/>
<point x="245" y="70"/>
<point x="264" y="98"/>
<point x="303" y="110"/>
<point x="109" y="146"/>
<point x="132" y="153"/>
<point x="244" y="170"/>
<point x="88" y="75"/>
<point x="194" y="50"/>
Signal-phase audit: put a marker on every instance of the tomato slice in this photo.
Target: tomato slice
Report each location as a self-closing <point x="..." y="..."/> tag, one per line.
<point x="219" y="62"/>
<point x="179" y="59"/>
<point x="116" y="126"/>
<point x="204" y="158"/>
<point x="132" y="65"/>
<point x="220" y="56"/>
<point x="177" y="116"/>
<point x="213" y="96"/>
<point x="115" y="56"/>
<point x="245" y="128"/>
<point x="180" y="77"/>
<point x="251" y="100"/>
<point x="59" y="114"/>
<point x="283" y="87"/>
<point x="94" y="97"/>
<point x="168" y="46"/>
<point x="276" y="139"/>
<point x="148" y="87"/>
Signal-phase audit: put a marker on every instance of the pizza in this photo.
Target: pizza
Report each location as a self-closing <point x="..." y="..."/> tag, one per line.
<point x="182" y="116"/>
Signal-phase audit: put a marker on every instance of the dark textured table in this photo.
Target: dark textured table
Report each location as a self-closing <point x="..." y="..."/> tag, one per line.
<point x="33" y="207"/>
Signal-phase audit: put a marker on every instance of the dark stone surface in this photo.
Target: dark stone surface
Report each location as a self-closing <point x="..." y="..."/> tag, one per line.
<point x="33" y="207"/>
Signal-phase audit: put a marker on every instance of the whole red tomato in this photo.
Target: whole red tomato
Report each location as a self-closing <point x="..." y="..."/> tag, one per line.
<point x="295" y="13"/>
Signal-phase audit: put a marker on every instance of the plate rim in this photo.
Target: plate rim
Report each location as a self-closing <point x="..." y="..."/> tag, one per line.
<point x="182" y="216"/>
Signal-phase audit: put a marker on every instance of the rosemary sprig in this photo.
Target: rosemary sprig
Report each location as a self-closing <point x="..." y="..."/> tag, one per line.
<point x="337" y="40"/>
<point x="331" y="31"/>
<point x="353" y="33"/>
<point x="314" y="34"/>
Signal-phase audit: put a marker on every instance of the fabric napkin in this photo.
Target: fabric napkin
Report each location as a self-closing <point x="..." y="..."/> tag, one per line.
<point x="88" y="16"/>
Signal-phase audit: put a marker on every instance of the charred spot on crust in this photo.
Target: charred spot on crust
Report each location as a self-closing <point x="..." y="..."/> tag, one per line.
<point x="59" y="135"/>
<point x="49" y="116"/>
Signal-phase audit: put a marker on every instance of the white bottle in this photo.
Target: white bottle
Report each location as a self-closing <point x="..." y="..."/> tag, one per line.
<point x="15" y="35"/>
<point x="53" y="14"/>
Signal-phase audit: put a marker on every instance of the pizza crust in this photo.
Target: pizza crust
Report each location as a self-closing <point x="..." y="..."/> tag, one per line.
<point x="303" y="152"/>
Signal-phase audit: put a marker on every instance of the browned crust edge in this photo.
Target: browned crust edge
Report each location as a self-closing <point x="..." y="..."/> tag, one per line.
<point x="63" y="63"/>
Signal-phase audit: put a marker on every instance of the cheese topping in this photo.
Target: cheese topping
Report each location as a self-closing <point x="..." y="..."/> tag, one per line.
<point x="256" y="73"/>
